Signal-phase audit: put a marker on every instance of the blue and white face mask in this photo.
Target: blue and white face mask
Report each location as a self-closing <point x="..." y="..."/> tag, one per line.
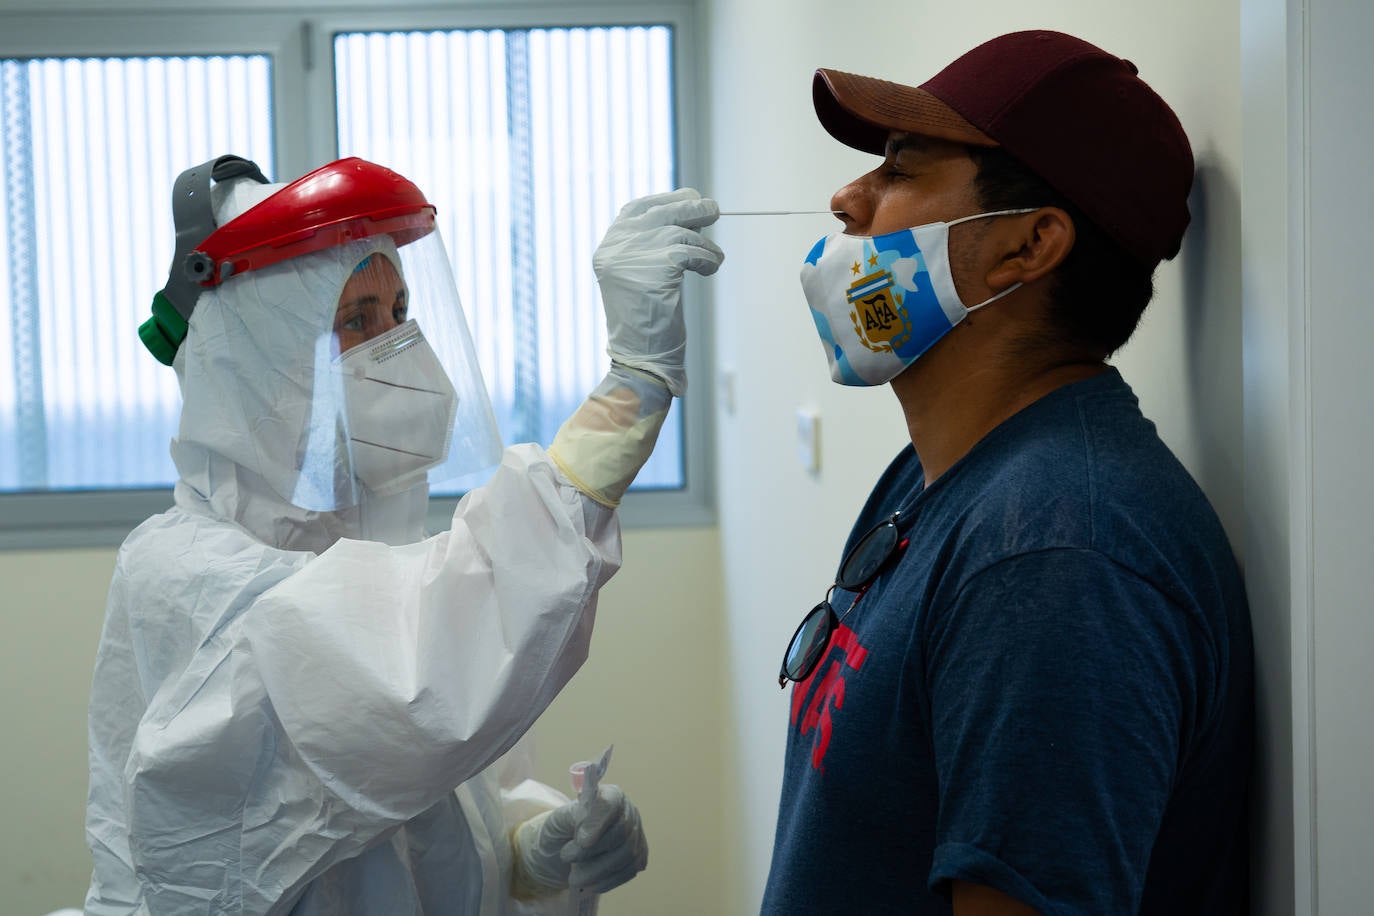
<point x="881" y="301"/>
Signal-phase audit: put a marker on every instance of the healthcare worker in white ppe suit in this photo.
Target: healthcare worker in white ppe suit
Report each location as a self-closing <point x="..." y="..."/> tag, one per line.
<point x="301" y="704"/>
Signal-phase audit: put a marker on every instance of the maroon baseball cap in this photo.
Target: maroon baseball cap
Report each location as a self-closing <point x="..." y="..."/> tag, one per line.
<point x="1078" y="117"/>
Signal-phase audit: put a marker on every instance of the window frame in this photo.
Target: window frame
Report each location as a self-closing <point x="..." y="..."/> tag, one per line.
<point x="299" y="40"/>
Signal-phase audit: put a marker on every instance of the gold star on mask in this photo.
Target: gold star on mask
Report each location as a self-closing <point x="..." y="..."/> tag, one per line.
<point x="855" y="268"/>
<point x="873" y="260"/>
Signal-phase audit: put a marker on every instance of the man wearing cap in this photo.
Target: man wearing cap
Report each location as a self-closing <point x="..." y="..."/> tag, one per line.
<point x="1030" y="688"/>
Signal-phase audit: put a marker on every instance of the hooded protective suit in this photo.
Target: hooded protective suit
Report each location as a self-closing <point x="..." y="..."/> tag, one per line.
<point x="284" y="700"/>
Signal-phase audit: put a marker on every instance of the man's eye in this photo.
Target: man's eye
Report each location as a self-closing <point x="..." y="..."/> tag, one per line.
<point x="355" y="323"/>
<point x="399" y="312"/>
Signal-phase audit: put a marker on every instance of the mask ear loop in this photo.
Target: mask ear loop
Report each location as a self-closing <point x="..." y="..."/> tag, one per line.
<point x="965" y="219"/>
<point x="970" y="309"/>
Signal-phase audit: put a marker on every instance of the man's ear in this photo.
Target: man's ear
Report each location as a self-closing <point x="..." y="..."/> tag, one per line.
<point x="1033" y="245"/>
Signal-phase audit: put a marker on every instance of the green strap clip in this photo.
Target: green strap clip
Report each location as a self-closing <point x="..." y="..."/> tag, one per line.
<point x="163" y="333"/>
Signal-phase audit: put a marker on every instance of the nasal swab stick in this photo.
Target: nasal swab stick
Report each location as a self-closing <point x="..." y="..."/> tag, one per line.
<point x="775" y="212"/>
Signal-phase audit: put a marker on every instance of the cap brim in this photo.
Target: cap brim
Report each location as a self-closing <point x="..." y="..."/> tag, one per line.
<point x="860" y="111"/>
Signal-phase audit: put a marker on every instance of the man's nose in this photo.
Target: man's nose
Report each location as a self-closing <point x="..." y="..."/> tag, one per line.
<point x="853" y="207"/>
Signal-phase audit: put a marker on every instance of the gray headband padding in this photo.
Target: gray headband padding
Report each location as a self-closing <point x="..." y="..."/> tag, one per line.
<point x="194" y="218"/>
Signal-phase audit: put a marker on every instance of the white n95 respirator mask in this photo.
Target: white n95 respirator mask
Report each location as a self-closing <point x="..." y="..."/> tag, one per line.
<point x="400" y="408"/>
<point x="881" y="301"/>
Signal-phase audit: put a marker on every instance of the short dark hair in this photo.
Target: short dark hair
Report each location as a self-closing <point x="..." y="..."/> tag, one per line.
<point x="1099" y="291"/>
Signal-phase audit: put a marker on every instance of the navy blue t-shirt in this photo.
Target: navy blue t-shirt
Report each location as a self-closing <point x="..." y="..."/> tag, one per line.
<point x="1048" y="691"/>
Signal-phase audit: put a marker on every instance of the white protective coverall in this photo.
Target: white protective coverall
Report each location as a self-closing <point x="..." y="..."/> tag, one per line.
<point x="281" y="708"/>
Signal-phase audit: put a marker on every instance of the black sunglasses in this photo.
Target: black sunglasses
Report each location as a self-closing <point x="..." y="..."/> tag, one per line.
<point x="858" y="569"/>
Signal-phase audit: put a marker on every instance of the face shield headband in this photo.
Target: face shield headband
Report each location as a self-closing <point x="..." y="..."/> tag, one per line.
<point x="339" y="202"/>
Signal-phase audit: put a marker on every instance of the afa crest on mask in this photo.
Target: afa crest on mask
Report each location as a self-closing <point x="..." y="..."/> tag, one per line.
<point x="880" y="321"/>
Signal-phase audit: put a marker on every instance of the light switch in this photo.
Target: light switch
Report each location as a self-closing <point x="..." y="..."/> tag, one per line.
<point x="727" y="391"/>
<point x="809" y="439"/>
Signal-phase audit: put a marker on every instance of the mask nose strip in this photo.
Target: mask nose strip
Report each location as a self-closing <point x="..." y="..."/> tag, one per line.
<point x="387" y="348"/>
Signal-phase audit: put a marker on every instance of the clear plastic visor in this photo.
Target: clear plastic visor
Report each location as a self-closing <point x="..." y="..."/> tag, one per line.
<point x="397" y="396"/>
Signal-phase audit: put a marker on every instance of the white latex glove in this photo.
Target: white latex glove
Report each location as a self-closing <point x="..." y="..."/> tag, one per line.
<point x="639" y="266"/>
<point x="594" y="847"/>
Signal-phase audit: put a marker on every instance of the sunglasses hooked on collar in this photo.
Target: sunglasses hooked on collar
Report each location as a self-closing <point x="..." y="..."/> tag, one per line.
<point x="860" y="567"/>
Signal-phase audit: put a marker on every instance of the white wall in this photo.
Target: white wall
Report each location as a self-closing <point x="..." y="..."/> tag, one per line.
<point x="1340" y="224"/>
<point x="1308" y="194"/>
<point x="50" y="615"/>
<point x="781" y="530"/>
<point x="1275" y="446"/>
<point x="652" y="687"/>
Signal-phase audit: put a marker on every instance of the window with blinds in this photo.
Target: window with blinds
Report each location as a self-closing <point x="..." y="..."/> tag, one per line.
<point x="528" y="140"/>
<point x="87" y="236"/>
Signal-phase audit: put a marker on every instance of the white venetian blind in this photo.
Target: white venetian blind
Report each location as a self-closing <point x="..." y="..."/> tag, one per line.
<point x="528" y="142"/>
<point x="89" y="151"/>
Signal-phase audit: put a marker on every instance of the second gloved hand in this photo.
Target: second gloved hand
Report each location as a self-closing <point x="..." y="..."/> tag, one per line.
<point x="594" y="847"/>
<point x="639" y="266"/>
